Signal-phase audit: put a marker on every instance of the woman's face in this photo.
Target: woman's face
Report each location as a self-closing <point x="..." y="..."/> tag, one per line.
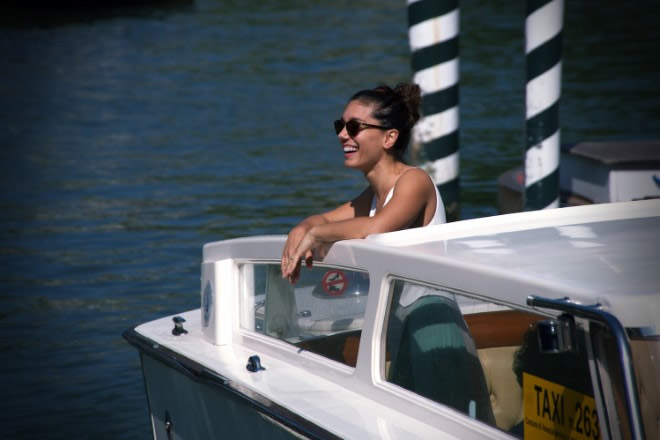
<point x="364" y="149"/>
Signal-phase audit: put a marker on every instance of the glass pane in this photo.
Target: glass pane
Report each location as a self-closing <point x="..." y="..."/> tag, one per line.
<point x="483" y="359"/>
<point x="430" y="351"/>
<point x="322" y="312"/>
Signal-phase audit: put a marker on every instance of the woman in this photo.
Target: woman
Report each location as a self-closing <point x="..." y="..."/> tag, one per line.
<point x="374" y="132"/>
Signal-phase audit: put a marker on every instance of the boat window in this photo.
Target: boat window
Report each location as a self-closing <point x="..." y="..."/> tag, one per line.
<point x="483" y="359"/>
<point x="321" y="313"/>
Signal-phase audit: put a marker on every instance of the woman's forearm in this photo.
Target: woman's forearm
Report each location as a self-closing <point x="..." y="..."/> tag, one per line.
<point x="304" y="226"/>
<point x="358" y="227"/>
<point x="312" y="220"/>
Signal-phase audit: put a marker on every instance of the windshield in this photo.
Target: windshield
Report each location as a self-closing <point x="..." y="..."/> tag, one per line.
<point x="322" y="313"/>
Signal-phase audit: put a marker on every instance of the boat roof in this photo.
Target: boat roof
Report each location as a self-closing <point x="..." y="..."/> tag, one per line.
<point x="612" y="248"/>
<point x="606" y="254"/>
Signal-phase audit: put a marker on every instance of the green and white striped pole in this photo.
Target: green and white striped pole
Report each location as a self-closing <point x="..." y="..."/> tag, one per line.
<point x="543" y="35"/>
<point x="433" y="37"/>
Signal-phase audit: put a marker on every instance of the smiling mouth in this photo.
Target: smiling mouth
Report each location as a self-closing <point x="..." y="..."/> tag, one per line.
<point x="348" y="149"/>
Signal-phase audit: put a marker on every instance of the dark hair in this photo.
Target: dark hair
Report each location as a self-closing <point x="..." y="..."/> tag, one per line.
<point x="569" y="369"/>
<point x="396" y="107"/>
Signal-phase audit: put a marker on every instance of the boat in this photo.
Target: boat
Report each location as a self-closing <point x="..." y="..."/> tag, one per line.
<point x="541" y="324"/>
<point x="594" y="172"/>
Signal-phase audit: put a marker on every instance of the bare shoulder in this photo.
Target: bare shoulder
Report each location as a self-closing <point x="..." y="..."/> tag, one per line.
<point x="414" y="179"/>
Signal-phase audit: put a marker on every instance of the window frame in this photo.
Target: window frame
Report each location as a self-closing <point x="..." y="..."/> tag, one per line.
<point x="379" y="366"/>
<point x="289" y="351"/>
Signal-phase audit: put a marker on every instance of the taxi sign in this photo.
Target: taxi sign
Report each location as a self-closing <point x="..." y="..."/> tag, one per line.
<point x="553" y="411"/>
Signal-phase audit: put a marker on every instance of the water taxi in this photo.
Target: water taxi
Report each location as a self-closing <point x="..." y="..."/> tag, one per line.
<point x="532" y="325"/>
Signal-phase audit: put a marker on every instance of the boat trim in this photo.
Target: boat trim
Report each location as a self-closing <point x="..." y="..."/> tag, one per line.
<point x="203" y="375"/>
<point x="596" y="313"/>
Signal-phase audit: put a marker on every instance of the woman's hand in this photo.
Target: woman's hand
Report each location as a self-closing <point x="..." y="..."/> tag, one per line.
<point x="290" y="263"/>
<point x="299" y="245"/>
<point x="306" y="239"/>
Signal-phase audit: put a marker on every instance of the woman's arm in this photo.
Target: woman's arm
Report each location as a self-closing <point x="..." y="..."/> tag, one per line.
<point x="359" y="206"/>
<point x="412" y="192"/>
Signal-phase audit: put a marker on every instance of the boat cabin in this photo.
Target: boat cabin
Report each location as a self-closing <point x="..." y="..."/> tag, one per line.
<point x="533" y="325"/>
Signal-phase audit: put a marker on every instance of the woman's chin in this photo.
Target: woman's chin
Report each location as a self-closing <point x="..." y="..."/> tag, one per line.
<point x="350" y="160"/>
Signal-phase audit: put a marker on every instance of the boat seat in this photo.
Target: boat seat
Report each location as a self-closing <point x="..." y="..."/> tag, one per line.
<point x="436" y="358"/>
<point x="504" y="391"/>
<point x="497" y="351"/>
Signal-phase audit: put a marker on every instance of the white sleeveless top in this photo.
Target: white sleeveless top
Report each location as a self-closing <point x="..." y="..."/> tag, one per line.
<point x="438" y="217"/>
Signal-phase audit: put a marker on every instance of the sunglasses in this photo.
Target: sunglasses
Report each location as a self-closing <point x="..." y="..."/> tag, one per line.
<point x="353" y="127"/>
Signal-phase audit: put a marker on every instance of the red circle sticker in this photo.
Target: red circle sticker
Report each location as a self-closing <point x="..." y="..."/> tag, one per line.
<point x="334" y="282"/>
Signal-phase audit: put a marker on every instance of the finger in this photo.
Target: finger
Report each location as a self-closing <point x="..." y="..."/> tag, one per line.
<point x="294" y="274"/>
<point x="293" y="279"/>
<point x="288" y="268"/>
<point x="287" y="264"/>
<point x="309" y="258"/>
<point x="284" y="260"/>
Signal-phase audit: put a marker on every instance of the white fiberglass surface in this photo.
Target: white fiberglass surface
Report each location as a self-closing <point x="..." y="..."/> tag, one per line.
<point x="316" y="398"/>
<point x="617" y="257"/>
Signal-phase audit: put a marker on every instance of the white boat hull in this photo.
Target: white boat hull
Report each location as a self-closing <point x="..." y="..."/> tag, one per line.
<point x="186" y="401"/>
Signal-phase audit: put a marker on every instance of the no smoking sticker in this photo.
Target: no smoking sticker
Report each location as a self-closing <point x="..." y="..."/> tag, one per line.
<point x="334" y="282"/>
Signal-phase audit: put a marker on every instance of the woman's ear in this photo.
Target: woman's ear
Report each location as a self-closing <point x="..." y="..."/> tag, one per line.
<point x="391" y="136"/>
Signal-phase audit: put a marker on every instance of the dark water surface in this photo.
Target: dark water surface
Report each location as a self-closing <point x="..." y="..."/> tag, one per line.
<point x="131" y="137"/>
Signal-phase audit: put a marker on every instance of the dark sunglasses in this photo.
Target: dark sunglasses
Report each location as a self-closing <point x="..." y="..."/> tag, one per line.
<point x="353" y="127"/>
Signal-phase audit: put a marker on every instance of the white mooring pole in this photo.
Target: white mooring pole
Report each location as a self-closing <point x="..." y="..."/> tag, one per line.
<point x="433" y="36"/>
<point x="543" y="35"/>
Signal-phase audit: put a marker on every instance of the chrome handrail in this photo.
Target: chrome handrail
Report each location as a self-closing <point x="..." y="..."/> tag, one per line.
<point x="596" y="313"/>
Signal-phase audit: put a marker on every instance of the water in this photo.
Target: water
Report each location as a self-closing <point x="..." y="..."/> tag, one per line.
<point x="131" y="137"/>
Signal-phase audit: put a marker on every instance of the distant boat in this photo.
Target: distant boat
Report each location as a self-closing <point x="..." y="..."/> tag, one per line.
<point x="539" y="324"/>
<point x="595" y="172"/>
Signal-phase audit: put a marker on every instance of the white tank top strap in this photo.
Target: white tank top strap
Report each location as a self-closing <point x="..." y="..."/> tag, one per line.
<point x="374" y="202"/>
<point x="438" y="216"/>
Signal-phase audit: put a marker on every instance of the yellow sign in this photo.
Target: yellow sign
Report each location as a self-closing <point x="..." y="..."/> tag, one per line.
<point x="553" y="411"/>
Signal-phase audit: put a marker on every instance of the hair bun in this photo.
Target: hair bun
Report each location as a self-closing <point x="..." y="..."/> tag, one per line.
<point x="411" y="95"/>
